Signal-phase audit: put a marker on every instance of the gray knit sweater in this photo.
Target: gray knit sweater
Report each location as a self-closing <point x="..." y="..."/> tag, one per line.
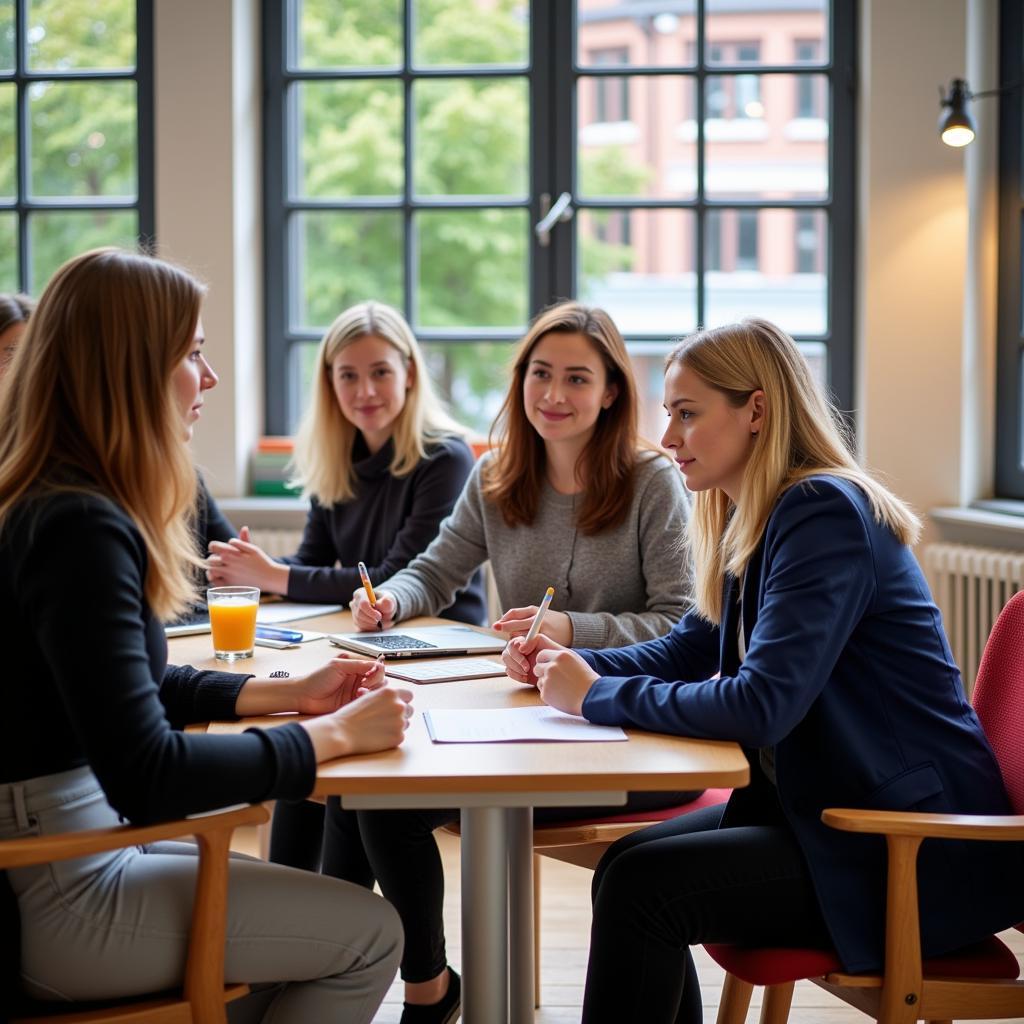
<point x="618" y="587"/>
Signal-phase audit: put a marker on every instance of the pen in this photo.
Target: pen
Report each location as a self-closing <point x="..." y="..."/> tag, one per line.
<point x="368" y="587"/>
<point x="539" y="617"/>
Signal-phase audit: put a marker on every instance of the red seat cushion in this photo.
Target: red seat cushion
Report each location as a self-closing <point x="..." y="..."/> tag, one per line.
<point x="989" y="958"/>
<point x="709" y="798"/>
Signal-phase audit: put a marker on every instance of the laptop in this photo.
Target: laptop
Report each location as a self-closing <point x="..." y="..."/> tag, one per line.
<point x="421" y="642"/>
<point x="195" y="620"/>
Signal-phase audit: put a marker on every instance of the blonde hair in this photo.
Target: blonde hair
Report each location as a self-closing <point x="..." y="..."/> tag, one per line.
<point x="323" y="442"/>
<point x="88" y="405"/>
<point x="802" y="435"/>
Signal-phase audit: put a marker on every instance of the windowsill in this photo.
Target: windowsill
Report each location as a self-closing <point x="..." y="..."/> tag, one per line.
<point x="264" y="513"/>
<point x="985" y="527"/>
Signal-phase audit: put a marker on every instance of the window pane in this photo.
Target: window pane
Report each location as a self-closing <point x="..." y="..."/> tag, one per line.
<point x="344" y="257"/>
<point x="329" y="34"/>
<point x="768" y="263"/>
<point x="765" y="32"/>
<point x="766" y="136"/>
<point x="471" y="137"/>
<point x="351" y="134"/>
<point x="8" y="130"/>
<point x="83" y="139"/>
<point x="637" y="137"/>
<point x="659" y="35"/>
<point x="648" y="359"/>
<point x="456" y="32"/>
<point x="816" y="353"/>
<point x="81" y="34"/>
<point x="6" y="35"/>
<point x="8" y="252"/>
<point x="472" y="268"/>
<point x="639" y="266"/>
<point x="57" y="236"/>
<point x="472" y="377"/>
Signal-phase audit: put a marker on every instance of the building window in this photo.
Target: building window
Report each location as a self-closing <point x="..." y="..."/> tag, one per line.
<point x="1010" y="345"/>
<point x="76" y="149"/>
<point x="410" y="162"/>
<point x="611" y="101"/>
<point x="732" y="97"/>
<point x="810" y="90"/>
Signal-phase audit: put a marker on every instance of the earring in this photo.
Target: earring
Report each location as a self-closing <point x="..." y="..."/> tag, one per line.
<point x="754" y="433"/>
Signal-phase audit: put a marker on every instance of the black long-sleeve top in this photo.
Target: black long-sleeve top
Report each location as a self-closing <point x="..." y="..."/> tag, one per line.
<point x="210" y="523"/>
<point x="87" y="680"/>
<point x="386" y="525"/>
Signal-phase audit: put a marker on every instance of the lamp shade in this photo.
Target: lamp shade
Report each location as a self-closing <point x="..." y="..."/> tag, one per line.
<point x="955" y="123"/>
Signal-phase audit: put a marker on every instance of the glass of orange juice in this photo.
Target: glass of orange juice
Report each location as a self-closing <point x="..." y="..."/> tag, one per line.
<point x="233" y="621"/>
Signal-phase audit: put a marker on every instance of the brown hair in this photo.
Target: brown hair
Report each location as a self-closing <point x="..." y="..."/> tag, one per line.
<point x="14" y="309"/>
<point x="88" y="404"/>
<point x="802" y="435"/>
<point x="515" y="475"/>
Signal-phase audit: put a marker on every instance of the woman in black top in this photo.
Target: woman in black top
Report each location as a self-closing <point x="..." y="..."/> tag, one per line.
<point x="95" y="552"/>
<point x="381" y="462"/>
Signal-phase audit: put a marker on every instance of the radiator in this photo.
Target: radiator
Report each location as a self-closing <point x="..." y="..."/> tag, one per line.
<point x="277" y="542"/>
<point x="971" y="585"/>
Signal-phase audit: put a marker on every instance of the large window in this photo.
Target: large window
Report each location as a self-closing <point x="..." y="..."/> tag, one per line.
<point x="1010" y="355"/>
<point x="705" y="149"/>
<point x="75" y="132"/>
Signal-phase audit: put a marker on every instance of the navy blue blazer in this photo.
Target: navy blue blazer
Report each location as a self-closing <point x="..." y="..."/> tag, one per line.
<point x="849" y="676"/>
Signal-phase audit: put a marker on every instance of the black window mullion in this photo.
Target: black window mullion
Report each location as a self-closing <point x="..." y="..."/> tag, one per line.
<point x="1010" y="331"/>
<point x="700" y="225"/>
<point x="410" y="241"/>
<point x="276" y="220"/>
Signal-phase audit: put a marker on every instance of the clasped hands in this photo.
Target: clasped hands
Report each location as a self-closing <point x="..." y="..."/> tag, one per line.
<point x="561" y="676"/>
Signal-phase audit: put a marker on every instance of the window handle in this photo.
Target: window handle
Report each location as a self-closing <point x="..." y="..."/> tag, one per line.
<point x="552" y="215"/>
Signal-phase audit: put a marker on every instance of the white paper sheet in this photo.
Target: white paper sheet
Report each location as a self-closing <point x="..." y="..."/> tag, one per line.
<point x="509" y="725"/>
<point x="290" y="611"/>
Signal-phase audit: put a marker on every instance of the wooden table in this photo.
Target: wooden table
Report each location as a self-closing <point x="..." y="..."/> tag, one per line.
<point x="496" y="786"/>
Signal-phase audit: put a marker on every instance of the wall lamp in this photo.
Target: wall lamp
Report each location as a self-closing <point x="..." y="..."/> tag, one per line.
<point x="956" y="126"/>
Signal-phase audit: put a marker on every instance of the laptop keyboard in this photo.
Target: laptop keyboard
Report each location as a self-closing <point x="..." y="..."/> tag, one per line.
<point x="399" y="642"/>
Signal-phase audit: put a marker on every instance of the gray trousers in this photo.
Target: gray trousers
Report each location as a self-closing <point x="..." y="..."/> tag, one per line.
<point x="116" y="924"/>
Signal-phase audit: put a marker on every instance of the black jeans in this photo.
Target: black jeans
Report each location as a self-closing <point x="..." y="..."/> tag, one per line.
<point x="661" y="890"/>
<point x="397" y="849"/>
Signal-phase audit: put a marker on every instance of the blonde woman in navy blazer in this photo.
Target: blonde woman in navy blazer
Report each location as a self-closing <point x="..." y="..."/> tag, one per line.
<point x="815" y="644"/>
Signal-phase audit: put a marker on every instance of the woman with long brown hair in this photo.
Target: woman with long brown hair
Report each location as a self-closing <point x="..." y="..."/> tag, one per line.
<point x="570" y="498"/>
<point x="96" y="551"/>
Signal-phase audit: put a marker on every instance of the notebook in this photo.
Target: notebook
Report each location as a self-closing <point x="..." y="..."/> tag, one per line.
<point x="443" y="671"/>
<point x="421" y="642"/>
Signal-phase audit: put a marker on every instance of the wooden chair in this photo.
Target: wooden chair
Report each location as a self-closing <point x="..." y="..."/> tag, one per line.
<point x="204" y="994"/>
<point x="979" y="982"/>
<point x="583" y="843"/>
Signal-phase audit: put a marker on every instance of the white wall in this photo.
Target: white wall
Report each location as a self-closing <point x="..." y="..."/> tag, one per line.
<point x="208" y="163"/>
<point x="921" y="375"/>
<point x="912" y="250"/>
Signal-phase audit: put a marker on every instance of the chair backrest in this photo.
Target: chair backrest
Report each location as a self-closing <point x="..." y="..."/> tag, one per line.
<point x="999" y="696"/>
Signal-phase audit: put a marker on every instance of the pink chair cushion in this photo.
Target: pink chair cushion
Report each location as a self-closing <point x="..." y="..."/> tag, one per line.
<point x="709" y="798"/>
<point x="990" y="958"/>
<point x="999" y="696"/>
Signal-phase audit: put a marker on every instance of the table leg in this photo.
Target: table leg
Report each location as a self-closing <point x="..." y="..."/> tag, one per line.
<point x="484" y="915"/>
<point x="520" y="895"/>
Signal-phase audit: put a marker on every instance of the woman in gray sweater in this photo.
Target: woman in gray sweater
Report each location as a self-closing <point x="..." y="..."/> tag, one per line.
<point x="570" y="498"/>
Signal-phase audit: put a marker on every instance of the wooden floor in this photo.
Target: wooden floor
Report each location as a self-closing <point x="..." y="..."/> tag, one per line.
<point x="565" y="938"/>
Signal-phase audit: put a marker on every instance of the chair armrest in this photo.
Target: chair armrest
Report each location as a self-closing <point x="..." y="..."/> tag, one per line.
<point x="1007" y="827"/>
<point x="17" y="853"/>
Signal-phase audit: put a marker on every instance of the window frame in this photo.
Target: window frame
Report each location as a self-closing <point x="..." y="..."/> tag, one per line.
<point x="1009" y="481"/>
<point x="24" y="204"/>
<point x="839" y="260"/>
<point x="552" y="269"/>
